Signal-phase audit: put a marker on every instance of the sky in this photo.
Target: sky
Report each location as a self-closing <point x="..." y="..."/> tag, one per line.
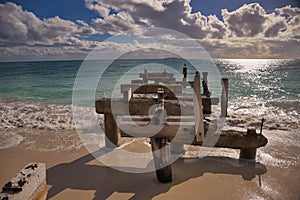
<point x="70" y="29"/>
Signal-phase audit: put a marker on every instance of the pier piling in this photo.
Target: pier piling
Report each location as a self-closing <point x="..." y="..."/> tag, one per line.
<point x="112" y="135"/>
<point x="161" y="156"/>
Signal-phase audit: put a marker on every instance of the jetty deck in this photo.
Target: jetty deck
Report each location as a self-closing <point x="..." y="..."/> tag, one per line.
<point x="179" y="118"/>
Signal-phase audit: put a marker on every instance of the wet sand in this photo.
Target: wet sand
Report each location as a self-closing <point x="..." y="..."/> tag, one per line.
<point x="74" y="173"/>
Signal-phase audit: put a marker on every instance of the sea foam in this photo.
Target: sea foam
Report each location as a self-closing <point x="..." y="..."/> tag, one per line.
<point x="37" y="116"/>
<point x="9" y="139"/>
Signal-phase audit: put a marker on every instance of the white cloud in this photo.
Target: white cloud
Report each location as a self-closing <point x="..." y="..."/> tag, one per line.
<point x="115" y="23"/>
<point x="251" y="20"/>
<point x="252" y="47"/>
<point x="19" y="27"/>
<point x="102" y="10"/>
<point x="293" y="17"/>
<point x="172" y="14"/>
<point x="248" y="31"/>
<point x="24" y="36"/>
<point x="244" y="32"/>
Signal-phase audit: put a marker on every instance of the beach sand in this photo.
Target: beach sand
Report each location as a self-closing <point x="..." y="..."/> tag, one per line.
<point x="73" y="173"/>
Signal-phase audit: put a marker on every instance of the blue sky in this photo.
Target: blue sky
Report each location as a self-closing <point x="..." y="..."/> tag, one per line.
<point x="70" y="9"/>
<point x="69" y="29"/>
<point x="215" y="6"/>
<point x="75" y="9"/>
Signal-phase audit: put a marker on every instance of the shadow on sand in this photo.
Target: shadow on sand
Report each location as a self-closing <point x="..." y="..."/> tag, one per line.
<point x="105" y="180"/>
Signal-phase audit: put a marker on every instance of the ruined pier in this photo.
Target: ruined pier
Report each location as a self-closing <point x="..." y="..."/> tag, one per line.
<point x="192" y="112"/>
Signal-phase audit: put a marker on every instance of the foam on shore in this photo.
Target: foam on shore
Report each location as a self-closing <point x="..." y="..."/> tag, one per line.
<point x="30" y="124"/>
<point x="279" y="115"/>
<point x="9" y="139"/>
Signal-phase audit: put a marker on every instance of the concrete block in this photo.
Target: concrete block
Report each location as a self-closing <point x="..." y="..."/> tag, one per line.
<point x="28" y="184"/>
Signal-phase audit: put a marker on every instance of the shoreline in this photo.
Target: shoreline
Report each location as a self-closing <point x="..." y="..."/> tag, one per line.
<point x="74" y="173"/>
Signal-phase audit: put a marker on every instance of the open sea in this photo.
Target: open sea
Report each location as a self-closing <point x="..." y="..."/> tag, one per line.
<point x="259" y="88"/>
<point x="38" y="95"/>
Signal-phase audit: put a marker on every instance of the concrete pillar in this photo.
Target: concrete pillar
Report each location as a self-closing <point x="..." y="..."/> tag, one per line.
<point x="206" y="92"/>
<point x="224" y="98"/>
<point x="145" y="76"/>
<point x="248" y="154"/>
<point x="161" y="156"/>
<point x="198" y="111"/>
<point x="184" y="71"/>
<point x="112" y="135"/>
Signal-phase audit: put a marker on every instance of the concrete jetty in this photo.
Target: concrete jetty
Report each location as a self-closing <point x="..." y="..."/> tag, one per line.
<point x="28" y="184"/>
<point x="182" y="110"/>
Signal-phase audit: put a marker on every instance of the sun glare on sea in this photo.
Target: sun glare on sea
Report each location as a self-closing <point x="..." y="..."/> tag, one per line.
<point x="251" y="64"/>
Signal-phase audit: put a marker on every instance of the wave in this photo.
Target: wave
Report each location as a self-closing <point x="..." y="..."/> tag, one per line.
<point x="278" y="114"/>
<point x="9" y="139"/>
<point x="35" y="115"/>
<point x="242" y="112"/>
<point x="23" y="122"/>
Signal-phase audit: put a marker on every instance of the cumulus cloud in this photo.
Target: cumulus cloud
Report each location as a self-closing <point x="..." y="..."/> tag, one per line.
<point x="19" y="27"/>
<point x="248" y="30"/>
<point x="115" y="23"/>
<point x="293" y="18"/>
<point x="172" y="14"/>
<point x="252" y="48"/>
<point x="251" y="20"/>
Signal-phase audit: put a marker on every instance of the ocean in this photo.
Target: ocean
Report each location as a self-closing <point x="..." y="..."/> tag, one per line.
<point x="36" y="98"/>
<point x="259" y="88"/>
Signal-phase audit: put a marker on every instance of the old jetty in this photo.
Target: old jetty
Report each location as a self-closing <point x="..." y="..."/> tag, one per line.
<point x="161" y="95"/>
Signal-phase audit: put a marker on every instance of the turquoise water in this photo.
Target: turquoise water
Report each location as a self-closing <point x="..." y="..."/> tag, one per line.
<point x="266" y="79"/>
<point x="52" y="82"/>
<point x="48" y="82"/>
<point x="40" y="91"/>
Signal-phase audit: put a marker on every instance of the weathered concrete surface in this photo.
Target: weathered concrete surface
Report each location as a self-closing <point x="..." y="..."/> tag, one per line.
<point x="157" y="74"/>
<point x="170" y="89"/>
<point x="28" y="184"/>
<point x="229" y="138"/>
<point x="161" y="155"/>
<point x="141" y="106"/>
<point x="237" y="138"/>
<point x="111" y="131"/>
<point x="198" y="109"/>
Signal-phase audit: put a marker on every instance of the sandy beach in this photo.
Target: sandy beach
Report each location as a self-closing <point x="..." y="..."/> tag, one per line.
<point x="152" y="77"/>
<point x="75" y="173"/>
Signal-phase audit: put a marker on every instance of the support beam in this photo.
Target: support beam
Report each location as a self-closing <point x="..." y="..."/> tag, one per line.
<point x="198" y="111"/>
<point x="141" y="106"/>
<point x="156" y="74"/>
<point x="224" y="98"/>
<point x="161" y="156"/>
<point x="112" y="135"/>
<point x="170" y="89"/>
<point x="248" y="154"/>
<point x="127" y="95"/>
<point x="184" y="79"/>
<point x="184" y="71"/>
<point x="206" y="92"/>
<point x="145" y="76"/>
<point x="137" y="82"/>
